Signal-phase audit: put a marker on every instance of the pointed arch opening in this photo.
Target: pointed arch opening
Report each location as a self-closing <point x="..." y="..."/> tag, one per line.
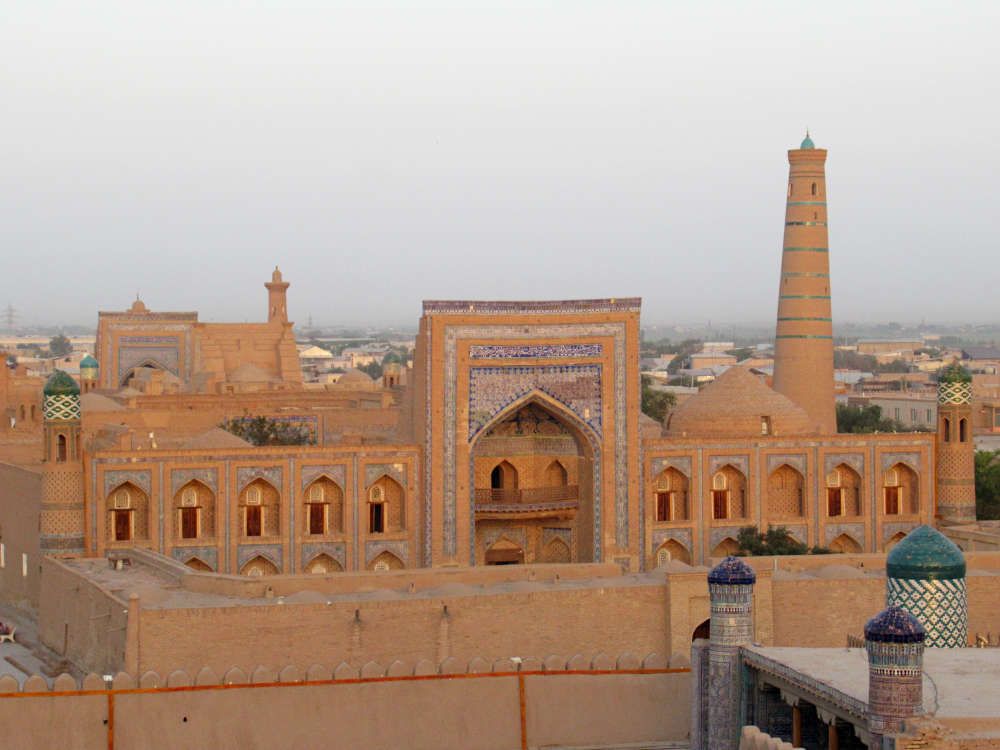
<point x="553" y="454"/>
<point x="785" y="493"/>
<point x="323" y="564"/>
<point x="386" y="506"/>
<point x="726" y="548"/>
<point x="259" y="566"/>
<point x="728" y="493"/>
<point x="127" y="508"/>
<point x="894" y="540"/>
<point x="194" y="511"/>
<point x="199" y="565"/>
<point x="505" y="552"/>
<point x="672" y="550"/>
<point x="385" y="561"/>
<point x="260" y="509"/>
<point x="556" y="551"/>
<point x="323" y="507"/>
<point x="670" y="496"/>
<point x="846" y="544"/>
<point x="843" y="492"/>
<point x="900" y="491"/>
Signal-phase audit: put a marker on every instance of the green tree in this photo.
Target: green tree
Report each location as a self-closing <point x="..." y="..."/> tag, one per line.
<point x="372" y="370"/>
<point x="988" y="485"/>
<point x="775" y="541"/>
<point x="261" y="430"/>
<point x="60" y="346"/>
<point x="683" y="350"/>
<point x="865" y="419"/>
<point x="655" y="403"/>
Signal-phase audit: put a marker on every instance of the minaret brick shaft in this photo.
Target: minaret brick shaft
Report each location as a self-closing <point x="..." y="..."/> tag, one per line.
<point x="803" y="349"/>
<point x="956" y="452"/>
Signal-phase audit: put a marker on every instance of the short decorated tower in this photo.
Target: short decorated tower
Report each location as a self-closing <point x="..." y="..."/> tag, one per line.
<point x="730" y="591"/>
<point x="925" y="575"/>
<point x="894" y="640"/>
<point x="88" y="374"/>
<point x="956" y="453"/>
<point x="61" y="517"/>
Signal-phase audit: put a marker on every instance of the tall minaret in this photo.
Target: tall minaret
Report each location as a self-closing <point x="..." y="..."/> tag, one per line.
<point x="61" y="521"/>
<point x="956" y="453"/>
<point x="277" y="305"/>
<point x="803" y="347"/>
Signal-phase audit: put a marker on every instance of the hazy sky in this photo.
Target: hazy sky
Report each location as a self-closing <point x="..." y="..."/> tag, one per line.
<point x="388" y="152"/>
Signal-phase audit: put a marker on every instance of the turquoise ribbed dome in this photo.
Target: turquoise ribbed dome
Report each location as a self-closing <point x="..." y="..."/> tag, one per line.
<point x="925" y="554"/>
<point x="807" y="142"/>
<point x="88" y="362"/>
<point x="60" y="384"/>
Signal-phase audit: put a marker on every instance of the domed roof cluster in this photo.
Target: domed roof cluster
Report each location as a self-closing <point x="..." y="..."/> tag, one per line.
<point x="894" y="625"/>
<point x="60" y="384"/>
<point x="732" y="571"/>
<point x="925" y="554"/>
<point x="733" y="406"/>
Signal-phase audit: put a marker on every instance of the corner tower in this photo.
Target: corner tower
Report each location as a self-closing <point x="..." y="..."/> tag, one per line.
<point x="803" y="347"/>
<point x="61" y="518"/>
<point x="956" y="453"/>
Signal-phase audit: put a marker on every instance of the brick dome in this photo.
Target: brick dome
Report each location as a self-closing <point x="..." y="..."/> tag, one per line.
<point x="734" y="405"/>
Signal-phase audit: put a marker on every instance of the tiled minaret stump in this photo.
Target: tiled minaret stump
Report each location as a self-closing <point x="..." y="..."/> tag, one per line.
<point x="61" y="520"/>
<point x="88" y="374"/>
<point x="894" y="640"/>
<point x="730" y="590"/>
<point x="803" y="347"/>
<point x="956" y="453"/>
<point x="925" y="575"/>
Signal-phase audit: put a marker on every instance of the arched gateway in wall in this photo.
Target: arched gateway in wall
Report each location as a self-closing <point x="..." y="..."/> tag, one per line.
<point x="533" y="485"/>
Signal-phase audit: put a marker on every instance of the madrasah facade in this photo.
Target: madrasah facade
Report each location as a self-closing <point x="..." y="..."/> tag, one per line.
<point x="516" y="437"/>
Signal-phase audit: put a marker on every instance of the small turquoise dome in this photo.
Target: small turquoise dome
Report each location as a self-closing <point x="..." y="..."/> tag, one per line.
<point x="60" y="384"/>
<point x="807" y="142"/>
<point x="88" y="362"/>
<point x="925" y="554"/>
<point x="732" y="571"/>
<point x="894" y="625"/>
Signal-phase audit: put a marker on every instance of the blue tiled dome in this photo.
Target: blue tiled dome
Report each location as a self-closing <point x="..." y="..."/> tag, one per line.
<point x="894" y="625"/>
<point x="807" y="142"/>
<point x="60" y="384"/>
<point x="732" y="571"/>
<point x="88" y="362"/>
<point x="925" y="554"/>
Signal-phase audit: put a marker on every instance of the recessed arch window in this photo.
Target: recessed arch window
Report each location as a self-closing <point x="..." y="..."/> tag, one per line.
<point x="814" y="188"/>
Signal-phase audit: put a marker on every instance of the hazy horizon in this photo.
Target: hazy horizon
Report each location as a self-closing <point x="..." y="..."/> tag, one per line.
<point x="387" y="152"/>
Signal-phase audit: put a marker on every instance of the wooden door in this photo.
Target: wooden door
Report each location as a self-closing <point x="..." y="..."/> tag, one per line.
<point x="317" y="519"/>
<point x="834" y="506"/>
<point x="189" y="523"/>
<point x="123" y="525"/>
<point x="253" y="520"/>
<point x="891" y="501"/>
<point x="720" y="503"/>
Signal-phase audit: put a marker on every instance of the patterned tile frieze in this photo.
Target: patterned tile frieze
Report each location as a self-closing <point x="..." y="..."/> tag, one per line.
<point x="180" y="477"/>
<point x="333" y="472"/>
<point x="335" y="550"/>
<point x="60" y="407"/>
<point x="910" y="459"/>
<point x="940" y="605"/>
<point x="855" y="460"/>
<point x="140" y="479"/>
<point x="492" y="389"/>
<point x="566" y="535"/>
<point x="147" y="340"/>
<point x="534" y="351"/>
<point x="247" y="474"/>
<point x="737" y="462"/>
<point x="398" y="548"/>
<point x="680" y="463"/>
<point x="505" y="307"/>
<point x="247" y="552"/>
<point x="374" y="472"/>
<point x="683" y="536"/>
<point x="208" y="555"/>
<point x="796" y="460"/>
<point x="854" y="530"/>
<point x="450" y="387"/>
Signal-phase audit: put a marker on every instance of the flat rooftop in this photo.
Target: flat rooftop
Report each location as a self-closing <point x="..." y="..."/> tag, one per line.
<point x="959" y="683"/>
